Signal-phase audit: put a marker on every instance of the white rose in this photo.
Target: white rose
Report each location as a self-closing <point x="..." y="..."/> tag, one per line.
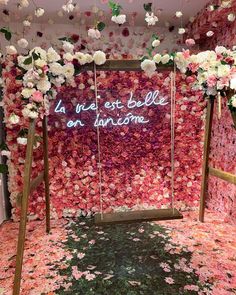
<point x="156" y="43"/>
<point x="165" y="59"/>
<point x="58" y="81"/>
<point x="220" y="49"/>
<point x="148" y="66"/>
<point x="40" y="63"/>
<point x="68" y="70"/>
<point x="33" y="115"/>
<point x="22" y="140"/>
<point x="223" y="71"/>
<point x="99" y="57"/>
<point x="209" y="33"/>
<point x="151" y="19"/>
<point x="26" y="23"/>
<point x="231" y="17"/>
<point x="68" y="47"/>
<point x="81" y="57"/>
<point x="178" y="14"/>
<point x="24" y="3"/>
<point x="56" y="68"/>
<point x="181" y="31"/>
<point x="68" y="56"/>
<point x="5" y="153"/>
<point x="52" y="55"/>
<point x="94" y="33"/>
<point x="39" y="51"/>
<point x="89" y="58"/>
<point x="157" y="58"/>
<point x="23" y="43"/>
<point x="27" y="92"/>
<point x="11" y="50"/>
<point x="233" y="101"/>
<point x="14" y="119"/>
<point x="233" y="82"/>
<point x="39" y="12"/>
<point x="119" y="19"/>
<point x="43" y="85"/>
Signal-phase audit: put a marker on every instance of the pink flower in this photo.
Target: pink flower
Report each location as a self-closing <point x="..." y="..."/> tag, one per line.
<point x="80" y="255"/>
<point x="190" y="42"/>
<point x="76" y="274"/>
<point x="90" y="277"/>
<point x="169" y="280"/>
<point x="37" y="96"/>
<point x="211" y="81"/>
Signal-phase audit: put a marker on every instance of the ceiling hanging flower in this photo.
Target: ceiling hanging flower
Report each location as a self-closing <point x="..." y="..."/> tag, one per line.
<point x="178" y="14"/>
<point x="117" y="18"/>
<point x="181" y="31"/>
<point x="69" y="6"/>
<point x="150" y="17"/>
<point x="23" y="4"/>
<point x="3" y="2"/>
<point x="95" y="32"/>
<point x="22" y="43"/>
<point x="209" y="33"/>
<point x="26" y="23"/>
<point x="190" y="42"/>
<point x="226" y="3"/>
<point x="39" y="11"/>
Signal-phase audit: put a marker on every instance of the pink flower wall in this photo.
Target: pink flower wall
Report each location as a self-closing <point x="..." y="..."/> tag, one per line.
<point x="221" y="195"/>
<point x="135" y="157"/>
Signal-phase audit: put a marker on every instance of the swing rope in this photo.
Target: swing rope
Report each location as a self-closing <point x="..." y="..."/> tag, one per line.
<point x="98" y="142"/>
<point x="172" y="119"/>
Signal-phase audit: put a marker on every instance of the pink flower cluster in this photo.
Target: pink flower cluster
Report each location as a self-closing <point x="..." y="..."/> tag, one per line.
<point x="135" y="158"/>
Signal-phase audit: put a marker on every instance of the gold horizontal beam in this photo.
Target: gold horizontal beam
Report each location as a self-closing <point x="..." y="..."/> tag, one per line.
<point x="34" y="183"/>
<point x="229" y="177"/>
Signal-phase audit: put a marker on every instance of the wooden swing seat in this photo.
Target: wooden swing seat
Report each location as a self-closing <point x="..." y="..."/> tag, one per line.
<point x="137" y="216"/>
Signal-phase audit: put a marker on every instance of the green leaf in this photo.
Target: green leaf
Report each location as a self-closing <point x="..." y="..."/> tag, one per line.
<point x="8" y="36"/>
<point x="35" y="55"/>
<point x="101" y="26"/>
<point x="3" y="168"/>
<point x="115" y="7"/>
<point x="28" y="61"/>
<point x="7" y="33"/>
<point x="147" y="7"/>
<point x="19" y="77"/>
<point x="23" y="132"/>
<point x="143" y="58"/>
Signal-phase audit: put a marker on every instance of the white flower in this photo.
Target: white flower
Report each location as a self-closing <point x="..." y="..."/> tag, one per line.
<point x="156" y="43"/>
<point x="40" y="63"/>
<point x="24" y="3"/>
<point x="99" y="57"/>
<point x="89" y="58"/>
<point x="223" y="70"/>
<point x="233" y="101"/>
<point x="52" y="55"/>
<point x="94" y="33"/>
<point x="68" y="56"/>
<point x="68" y="70"/>
<point x="157" y="58"/>
<point x="39" y="12"/>
<point x="27" y="92"/>
<point x="178" y="14"/>
<point x="231" y="17"/>
<point x="151" y="19"/>
<point x="181" y="31"/>
<point x="22" y="140"/>
<point x="56" y="68"/>
<point x="211" y="8"/>
<point x="14" y="119"/>
<point x="39" y="51"/>
<point x="11" y="50"/>
<point x="119" y="19"/>
<point x="220" y="49"/>
<point x="68" y="7"/>
<point x="5" y="153"/>
<point x="148" y="66"/>
<point x="81" y="57"/>
<point x="26" y="23"/>
<point x="60" y="13"/>
<point x="58" y="81"/>
<point x="23" y="43"/>
<point x="43" y="85"/>
<point x="209" y="33"/>
<point x="30" y="112"/>
<point x="68" y="47"/>
<point x="226" y="3"/>
<point x="233" y="82"/>
<point x="165" y="59"/>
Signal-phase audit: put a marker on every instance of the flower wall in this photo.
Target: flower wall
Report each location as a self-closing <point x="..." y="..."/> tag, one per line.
<point x="135" y="158"/>
<point x="222" y="195"/>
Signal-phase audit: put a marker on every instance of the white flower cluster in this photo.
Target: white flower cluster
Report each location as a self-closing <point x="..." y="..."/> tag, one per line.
<point x="232" y="102"/>
<point x="119" y="19"/>
<point x="151" y="19"/>
<point x="46" y="69"/>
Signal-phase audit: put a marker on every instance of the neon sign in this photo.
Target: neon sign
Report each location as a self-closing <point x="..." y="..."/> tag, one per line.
<point x="151" y="99"/>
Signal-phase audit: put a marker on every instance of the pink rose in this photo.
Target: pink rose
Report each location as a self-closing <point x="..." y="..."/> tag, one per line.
<point x="37" y="96"/>
<point x="190" y="42"/>
<point x="211" y="81"/>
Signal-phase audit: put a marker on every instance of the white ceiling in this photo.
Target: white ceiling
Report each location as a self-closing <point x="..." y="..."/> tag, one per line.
<point x="164" y="8"/>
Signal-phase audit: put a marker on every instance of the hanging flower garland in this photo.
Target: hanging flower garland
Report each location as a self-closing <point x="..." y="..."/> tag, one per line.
<point x="150" y="17"/>
<point x="215" y="71"/>
<point x="117" y="17"/>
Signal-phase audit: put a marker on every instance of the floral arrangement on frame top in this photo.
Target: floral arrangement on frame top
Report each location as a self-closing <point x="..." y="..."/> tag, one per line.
<point x="42" y="72"/>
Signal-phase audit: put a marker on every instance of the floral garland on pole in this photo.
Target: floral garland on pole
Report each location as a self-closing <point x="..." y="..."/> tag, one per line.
<point x="214" y="70"/>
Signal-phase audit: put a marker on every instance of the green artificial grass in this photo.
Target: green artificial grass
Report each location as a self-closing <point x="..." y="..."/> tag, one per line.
<point x="126" y="260"/>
